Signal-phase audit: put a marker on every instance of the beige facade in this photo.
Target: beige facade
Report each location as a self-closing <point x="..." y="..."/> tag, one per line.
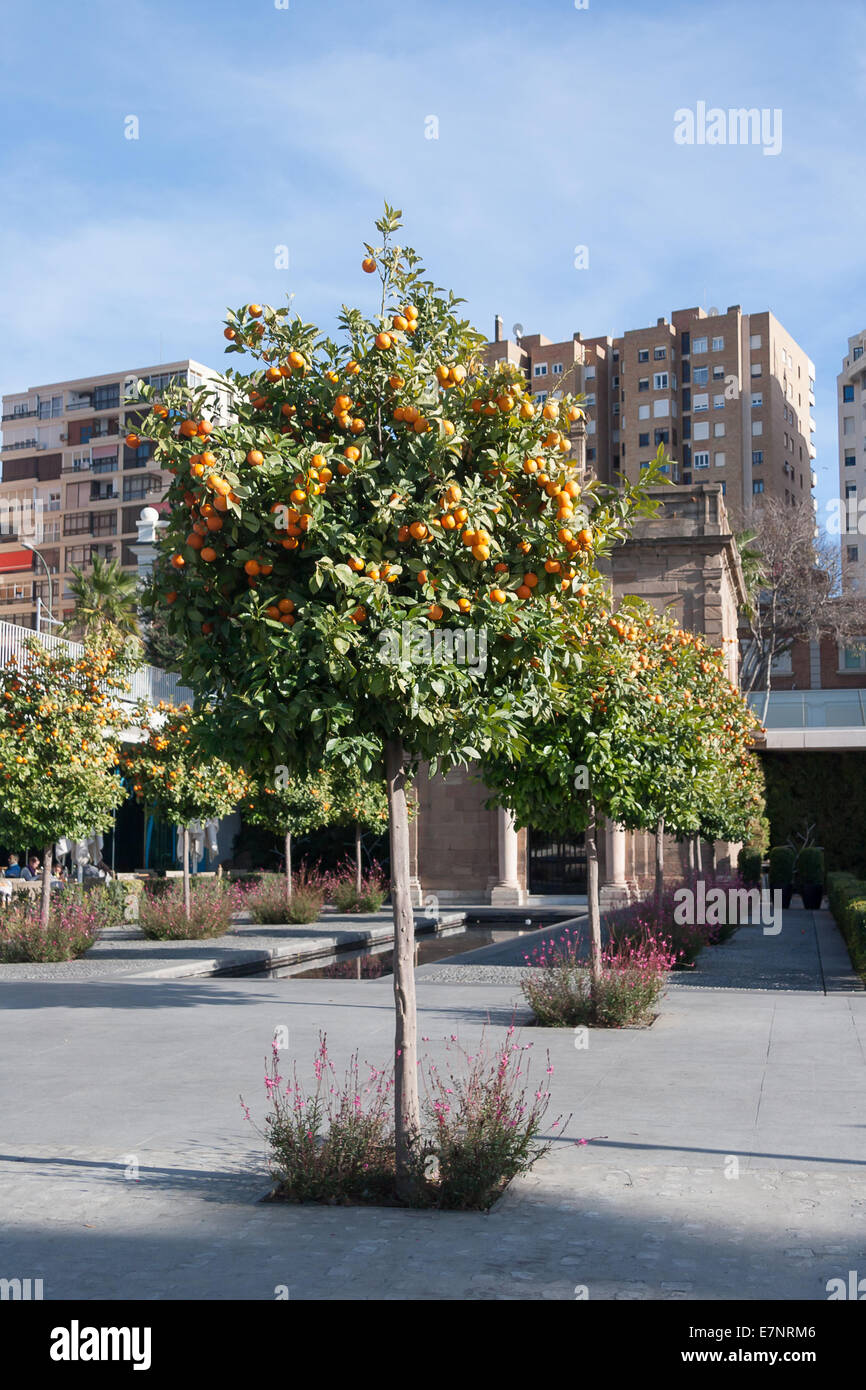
<point x="851" y="405"/>
<point x="729" y="396"/>
<point x="71" y="486"/>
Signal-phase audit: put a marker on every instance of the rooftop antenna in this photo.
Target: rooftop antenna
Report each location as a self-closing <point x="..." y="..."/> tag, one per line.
<point x="517" y="330"/>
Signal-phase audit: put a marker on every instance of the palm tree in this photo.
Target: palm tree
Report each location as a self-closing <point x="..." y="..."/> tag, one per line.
<point x="106" y="606"/>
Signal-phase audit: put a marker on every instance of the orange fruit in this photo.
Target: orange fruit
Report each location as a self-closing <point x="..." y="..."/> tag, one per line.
<point x="296" y="360"/>
<point x="286" y="605"/>
<point x="383" y="341"/>
<point x="368" y="264"/>
<point x="418" y="530"/>
<point x="273" y="612"/>
<point x="132" y="441"/>
<point x="252" y="567"/>
<point x="524" y="591"/>
<point x="229" y="333"/>
<point x="254" y="310"/>
<point x="434" y="612"/>
<point x="208" y="553"/>
<point x="171" y="596"/>
<point x="355" y="564"/>
<point x="178" y="561"/>
<point x="352" y="454"/>
<point x="498" y="595"/>
<point x="464" y="605"/>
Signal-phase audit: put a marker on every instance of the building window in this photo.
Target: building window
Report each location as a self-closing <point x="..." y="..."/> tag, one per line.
<point x="643" y="441"/>
<point x="556" y="369"/>
<point x="850" y="459"/>
<point x="718" y="402"/>
<point x="643" y="412"/>
<point x="589" y="374"/>
<point x="718" y="345"/>
<point x="854" y="657"/>
<point x="847" y="393"/>
<point x="106" y="397"/>
<point x="757" y="427"/>
<point x="702" y="459"/>
<point x="718" y="429"/>
<point x="616" y="407"/>
<point x="643" y="383"/>
<point x="853" y="553"/>
<point x="718" y="373"/>
<point x="661" y="408"/>
<point x="659" y="354"/>
<point x="755" y="342"/>
<point x="105" y="524"/>
<point x="590" y="455"/>
<point x="540" y="369"/>
<point x="660" y="381"/>
<point x="643" y="354"/>
<point x="661" y="437"/>
<point x="589" y="399"/>
<point x="723" y="485"/>
<point x="719" y="459"/>
<point x="757" y="400"/>
<point x="848" y="424"/>
<point x="699" y="345"/>
<point x="701" y="429"/>
<point x="700" y="376"/>
<point x="685" y="344"/>
<point x="700" y="401"/>
<point x="77" y="524"/>
<point x="757" y="485"/>
<point x="858" y="352"/>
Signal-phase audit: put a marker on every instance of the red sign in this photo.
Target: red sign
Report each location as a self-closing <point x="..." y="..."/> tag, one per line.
<point x="16" y="559"/>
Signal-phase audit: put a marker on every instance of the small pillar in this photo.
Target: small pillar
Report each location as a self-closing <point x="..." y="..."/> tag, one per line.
<point x="507" y="892"/>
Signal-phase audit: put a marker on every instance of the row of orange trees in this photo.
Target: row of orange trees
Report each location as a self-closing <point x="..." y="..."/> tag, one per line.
<point x="67" y="742"/>
<point x="387" y="482"/>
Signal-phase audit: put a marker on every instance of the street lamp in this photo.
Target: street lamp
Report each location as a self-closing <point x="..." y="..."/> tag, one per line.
<point x="39" y="604"/>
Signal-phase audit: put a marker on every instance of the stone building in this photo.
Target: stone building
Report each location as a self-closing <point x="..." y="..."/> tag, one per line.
<point x="683" y="559"/>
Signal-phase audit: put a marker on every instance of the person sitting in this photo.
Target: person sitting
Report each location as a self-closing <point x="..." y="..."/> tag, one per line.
<point x="13" y="868"/>
<point x="32" y="869"/>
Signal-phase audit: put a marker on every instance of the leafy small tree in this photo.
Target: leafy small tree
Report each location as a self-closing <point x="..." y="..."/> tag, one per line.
<point x="290" y="805"/>
<point x="364" y="491"/>
<point x="171" y="772"/>
<point x="651" y="735"/>
<point x="360" y="799"/>
<point x="59" y="727"/>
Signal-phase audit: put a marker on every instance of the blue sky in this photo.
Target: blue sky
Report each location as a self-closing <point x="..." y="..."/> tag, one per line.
<point x="261" y="127"/>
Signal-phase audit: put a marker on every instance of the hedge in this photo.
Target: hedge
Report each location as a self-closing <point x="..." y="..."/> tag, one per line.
<point x="847" y="898"/>
<point x="827" y="790"/>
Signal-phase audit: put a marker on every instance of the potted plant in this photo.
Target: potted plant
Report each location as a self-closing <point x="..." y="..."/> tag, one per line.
<point x="782" y="859"/>
<point x="810" y="877"/>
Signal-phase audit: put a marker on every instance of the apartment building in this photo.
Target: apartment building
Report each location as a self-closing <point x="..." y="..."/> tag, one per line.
<point x="71" y="488"/>
<point x="729" y="396"/>
<point x="851" y="405"/>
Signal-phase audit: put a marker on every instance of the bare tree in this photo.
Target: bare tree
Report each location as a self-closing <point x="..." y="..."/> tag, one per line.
<point x="794" y="594"/>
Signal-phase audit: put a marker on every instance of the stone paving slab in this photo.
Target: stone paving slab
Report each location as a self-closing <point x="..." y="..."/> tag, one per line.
<point x="724" y="1154"/>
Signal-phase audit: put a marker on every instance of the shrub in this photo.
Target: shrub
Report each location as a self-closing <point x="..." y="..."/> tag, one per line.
<point x="267" y="903"/>
<point x="334" y="1143"/>
<point x="847" y="896"/>
<point x="562" y="994"/>
<point x="486" y="1122"/>
<point x="343" y="890"/>
<point x="73" y="927"/>
<point x="750" y="863"/>
<point x="810" y="867"/>
<point x="162" y="917"/>
<point x="782" y="859"/>
<point x="655" y="919"/>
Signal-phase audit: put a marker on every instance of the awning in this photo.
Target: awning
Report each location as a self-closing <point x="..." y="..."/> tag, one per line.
<point x="16" y="560"/>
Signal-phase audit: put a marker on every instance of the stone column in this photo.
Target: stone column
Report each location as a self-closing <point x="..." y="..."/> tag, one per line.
<point x="416" y="892"/>
<point x="507" y="891"/>
<point x="614" y="891"/>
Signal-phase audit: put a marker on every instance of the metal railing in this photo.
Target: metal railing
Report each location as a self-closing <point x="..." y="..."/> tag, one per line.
<point x="812" y="709"/>
<point x="145" y="682"/>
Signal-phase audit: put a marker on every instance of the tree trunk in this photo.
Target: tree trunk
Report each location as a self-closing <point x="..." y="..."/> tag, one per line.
<point x="187" y="904"/>
<point x="660" y="858"/>
<point x="592" y="891"/>
<point x="45" y="898"/>
<point x="287" y="854"/>
<point x="699" y="860"/>
<point x="690" y="853"/>
<point x="406" y="1106"/>
<point x="358" y="866"/>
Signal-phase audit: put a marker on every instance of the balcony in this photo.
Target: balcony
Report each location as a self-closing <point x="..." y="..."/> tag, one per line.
<point x="146" y="682"/>
<point x="23" y="444"/>
<point x="21" y="415"/>
<point x="813" y="720"/>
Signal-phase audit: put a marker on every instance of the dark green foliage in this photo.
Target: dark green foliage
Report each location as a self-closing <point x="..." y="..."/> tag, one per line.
<point x="827" y="790"/>
<point x="847" y="896"/>
<point x="782" y="859"/>
<point x="749" y="863"/>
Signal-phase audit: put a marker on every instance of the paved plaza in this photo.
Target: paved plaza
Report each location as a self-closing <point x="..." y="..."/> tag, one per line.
<point x="723" y="1155"/>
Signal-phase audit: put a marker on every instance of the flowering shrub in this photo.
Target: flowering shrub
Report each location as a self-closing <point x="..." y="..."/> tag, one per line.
<point x="267" y="903"/>
<point x="342" y="889"/>
<point x="162" y="917"/>
<point x="486" y="1121"/>
<point x="73" y="926"/>
<point x="654" y="917"/>
<point x="334" y="1142"/>
<point x="562" y="994"/>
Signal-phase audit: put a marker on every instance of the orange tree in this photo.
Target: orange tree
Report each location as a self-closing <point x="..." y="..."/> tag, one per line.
<point x="170" y="771"/>
<point x="59" y="726"/>
<point x="363" y="488"/>
<point x="360" y="799"/>
<point x="653" y="734"/>
<point x="290" y="804"/>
